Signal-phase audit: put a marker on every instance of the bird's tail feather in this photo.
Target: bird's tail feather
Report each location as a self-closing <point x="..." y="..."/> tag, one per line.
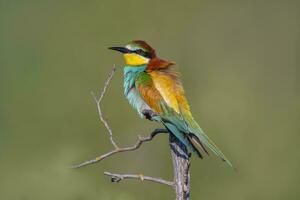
<point x="187" y="130"/>
<point x="201" y="139"/>
<point x="197" y="144"/>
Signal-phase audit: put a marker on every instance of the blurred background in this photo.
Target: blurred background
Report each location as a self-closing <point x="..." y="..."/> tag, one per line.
<point x="240" y="67"/>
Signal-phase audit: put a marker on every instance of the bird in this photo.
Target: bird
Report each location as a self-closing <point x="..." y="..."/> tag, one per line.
<point x="154" y="89"/>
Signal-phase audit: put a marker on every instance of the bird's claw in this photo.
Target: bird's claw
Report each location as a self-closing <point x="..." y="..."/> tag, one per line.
<point x="149" y="114"/>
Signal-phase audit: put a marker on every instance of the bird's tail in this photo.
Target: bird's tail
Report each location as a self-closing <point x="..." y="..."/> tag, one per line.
<point x="187" y="130"/>
<point x="200" y="140"/>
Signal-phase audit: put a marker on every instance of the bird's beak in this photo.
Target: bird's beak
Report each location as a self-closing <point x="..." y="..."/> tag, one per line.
<point x="120" y="49"/>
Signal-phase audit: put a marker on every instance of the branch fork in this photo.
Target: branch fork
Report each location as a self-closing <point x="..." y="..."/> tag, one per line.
<point x="117" y="149"/>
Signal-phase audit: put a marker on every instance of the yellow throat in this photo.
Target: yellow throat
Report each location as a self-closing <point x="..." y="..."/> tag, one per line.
<point x="135" y="59"/>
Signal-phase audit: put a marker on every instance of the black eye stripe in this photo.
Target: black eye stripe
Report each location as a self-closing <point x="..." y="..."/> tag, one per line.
<point x="142" y="53"/>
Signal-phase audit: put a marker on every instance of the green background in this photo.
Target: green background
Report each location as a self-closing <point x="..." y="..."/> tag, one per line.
<point x="240" y="67"/>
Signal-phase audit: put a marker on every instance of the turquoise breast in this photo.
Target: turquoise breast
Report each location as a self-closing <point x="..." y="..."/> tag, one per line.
<point x="130" y="91"/>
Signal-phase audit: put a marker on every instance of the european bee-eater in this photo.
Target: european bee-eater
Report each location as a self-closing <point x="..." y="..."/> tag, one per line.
<point x="154" y="89"/>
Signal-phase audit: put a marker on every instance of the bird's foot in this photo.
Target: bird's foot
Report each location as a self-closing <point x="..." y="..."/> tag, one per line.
<point x="149" y="114"/>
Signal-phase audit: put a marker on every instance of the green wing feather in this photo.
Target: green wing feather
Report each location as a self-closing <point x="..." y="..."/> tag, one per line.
<point x="177" y="126"/>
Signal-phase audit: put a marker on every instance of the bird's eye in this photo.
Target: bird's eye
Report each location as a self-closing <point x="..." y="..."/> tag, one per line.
<point x="139" y="51"/>
<point x="142" y="53"/>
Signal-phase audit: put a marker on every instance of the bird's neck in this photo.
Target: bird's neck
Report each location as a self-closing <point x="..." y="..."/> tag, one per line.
<point x="130" y="73"/>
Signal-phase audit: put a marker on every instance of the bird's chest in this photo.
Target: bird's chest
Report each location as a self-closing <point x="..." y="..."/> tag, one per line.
<point x="130" y="90"/>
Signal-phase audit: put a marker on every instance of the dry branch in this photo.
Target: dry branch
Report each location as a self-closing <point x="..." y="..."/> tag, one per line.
<point x="117" y="149"/>
<point x="98" y="101"/>
<point x="119" y="177"/>
<point x="140" y="141"/>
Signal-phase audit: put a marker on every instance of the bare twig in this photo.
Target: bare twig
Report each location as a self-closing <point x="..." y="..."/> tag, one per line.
<point x="98" y="101"/>
<point x="140" y="141"/>
<point x="119" y="177"/>
<point x="117" y="149"/>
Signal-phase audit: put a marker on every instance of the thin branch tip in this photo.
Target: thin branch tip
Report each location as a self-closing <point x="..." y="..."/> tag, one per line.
<point x="119" y="177"/>
<point x="118" y="149"/>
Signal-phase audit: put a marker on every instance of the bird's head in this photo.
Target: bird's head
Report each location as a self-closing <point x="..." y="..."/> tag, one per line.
<point x="136" y="53"/>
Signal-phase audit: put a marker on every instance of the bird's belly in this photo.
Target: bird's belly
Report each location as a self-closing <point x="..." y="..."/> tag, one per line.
<point x="136" y="101"/>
